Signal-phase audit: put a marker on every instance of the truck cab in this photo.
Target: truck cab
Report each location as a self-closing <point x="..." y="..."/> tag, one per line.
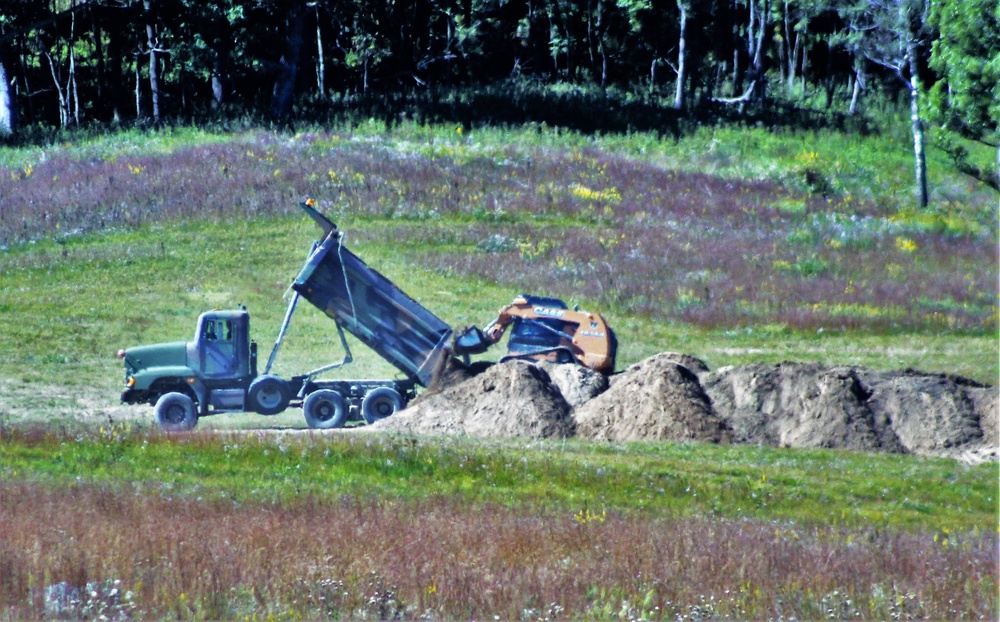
<point x="212" y="373"/>
<point x="221" y="346"/>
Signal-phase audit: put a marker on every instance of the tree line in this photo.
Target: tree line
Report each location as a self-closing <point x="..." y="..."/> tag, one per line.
<point x="69" y="62"/>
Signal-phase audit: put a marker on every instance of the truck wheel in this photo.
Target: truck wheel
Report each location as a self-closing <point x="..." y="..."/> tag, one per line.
<point x="268" y="395"/>
<point x="324" y="409"/>
<point x="380" y="403"/>
<point x="175" y="412"/>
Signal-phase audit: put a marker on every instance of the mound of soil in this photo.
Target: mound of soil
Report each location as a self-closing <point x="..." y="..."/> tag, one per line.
<point x="809" y="405"/>
<point x="793" y="405"/>
<point x="986" y="404"/>
<point x="577" y="384"/>
<point x="657" y="399"/>
<point x="934" y="414"/>
<point x="512" y="399"/>
<point x="675" y="397"/>
<point x="696" y="365"/>
<point x="451" y="371"/>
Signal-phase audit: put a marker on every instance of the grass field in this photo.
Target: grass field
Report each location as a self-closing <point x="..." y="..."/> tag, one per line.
<point x="731" y="268"/>
<point x="227" y="525"/>
<point x="732" y="246"/>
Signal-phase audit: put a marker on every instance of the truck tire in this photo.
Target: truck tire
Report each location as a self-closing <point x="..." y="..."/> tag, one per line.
<point x="176" y="412"/>
<point x="268" y="395"/>
<point x="324" y="409"/>
<point x="380" y="403"/>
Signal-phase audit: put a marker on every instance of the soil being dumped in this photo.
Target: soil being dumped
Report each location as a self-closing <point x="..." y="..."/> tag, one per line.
<point x="676" y="397"/>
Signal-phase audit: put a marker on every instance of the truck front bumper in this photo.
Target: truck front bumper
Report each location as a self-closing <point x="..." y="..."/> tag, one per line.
<point x="130" y="396"/>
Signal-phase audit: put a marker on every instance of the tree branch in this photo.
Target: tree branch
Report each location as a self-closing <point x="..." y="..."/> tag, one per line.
<point x="737" y="100"/>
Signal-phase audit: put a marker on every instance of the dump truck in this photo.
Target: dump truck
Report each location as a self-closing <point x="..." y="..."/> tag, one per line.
<point x="217" y="372"/>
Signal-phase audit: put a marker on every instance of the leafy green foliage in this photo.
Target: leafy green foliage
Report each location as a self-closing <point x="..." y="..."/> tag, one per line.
<point x="967" y="57"/>
<point x="965" y="99"/>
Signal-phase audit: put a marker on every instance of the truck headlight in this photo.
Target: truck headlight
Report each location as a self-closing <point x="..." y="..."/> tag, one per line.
<point x="130" y="382"/>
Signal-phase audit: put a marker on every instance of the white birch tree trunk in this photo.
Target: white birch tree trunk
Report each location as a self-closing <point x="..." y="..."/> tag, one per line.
<point x="6" y="105"/>
<point x="71" y="86"/>
<point x="320" y="62"/>
<point x="917" y="125"/>
<point x="681" y="56"/>
<point x="154" y="65"/>
<point x="856" y="91"/>
<point x="63" y="105"/>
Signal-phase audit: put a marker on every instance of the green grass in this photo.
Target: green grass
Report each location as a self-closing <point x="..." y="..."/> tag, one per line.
<point x="67" y="308"/>
<point x="807" y="487"/>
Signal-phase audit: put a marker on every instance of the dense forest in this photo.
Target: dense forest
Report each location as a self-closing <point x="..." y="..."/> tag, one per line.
<point x="66" y="63"/>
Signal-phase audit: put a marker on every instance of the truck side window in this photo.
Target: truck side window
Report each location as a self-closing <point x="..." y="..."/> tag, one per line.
<point x="218" y="330"/>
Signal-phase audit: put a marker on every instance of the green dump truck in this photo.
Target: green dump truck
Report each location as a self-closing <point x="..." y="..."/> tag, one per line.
<point x="217" y="372"/>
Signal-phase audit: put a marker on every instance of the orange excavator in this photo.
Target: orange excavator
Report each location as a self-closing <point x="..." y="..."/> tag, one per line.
<point x="545" y="329"/>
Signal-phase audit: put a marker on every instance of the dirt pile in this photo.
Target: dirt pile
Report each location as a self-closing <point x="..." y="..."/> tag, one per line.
<point x="515" y="399"/>
<point x="675" y="397"/>
<point x="657" y="399"/>
<point x="577" y="384"/>
<point x="936" y="414"/>
<point x="799" y="406"/>
<point x="808" y="405"/>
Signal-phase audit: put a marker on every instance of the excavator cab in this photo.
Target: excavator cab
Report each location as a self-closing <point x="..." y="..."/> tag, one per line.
<point x="545" y="337"/>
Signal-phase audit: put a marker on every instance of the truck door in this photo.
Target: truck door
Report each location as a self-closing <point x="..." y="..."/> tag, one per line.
<point x="218" y="347"/>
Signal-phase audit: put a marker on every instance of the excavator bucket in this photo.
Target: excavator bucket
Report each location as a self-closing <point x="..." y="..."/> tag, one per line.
<point x="472" y="340"/>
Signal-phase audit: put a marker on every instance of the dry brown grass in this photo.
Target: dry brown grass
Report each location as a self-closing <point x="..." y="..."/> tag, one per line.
<point x="191" y="559"/>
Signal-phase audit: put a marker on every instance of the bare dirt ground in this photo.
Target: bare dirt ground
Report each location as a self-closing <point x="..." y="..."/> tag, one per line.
<point x="23" y="400"/>
<point x="676" y="397"/>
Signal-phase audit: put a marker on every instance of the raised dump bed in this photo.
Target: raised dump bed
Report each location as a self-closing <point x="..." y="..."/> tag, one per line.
<point x="372" y="308"/>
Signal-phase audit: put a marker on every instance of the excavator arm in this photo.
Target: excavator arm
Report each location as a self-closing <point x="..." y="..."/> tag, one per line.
<point x="545" y="329"/>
